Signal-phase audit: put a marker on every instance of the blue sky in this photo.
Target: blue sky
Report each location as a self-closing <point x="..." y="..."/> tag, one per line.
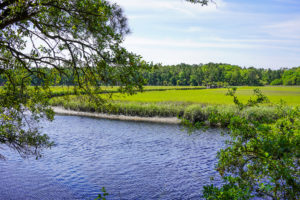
<point x="259" y="33"/>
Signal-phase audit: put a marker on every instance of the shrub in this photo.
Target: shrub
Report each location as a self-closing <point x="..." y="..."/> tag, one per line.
<point x="276" y="82"/>
<point x="262" y="159"/>
<point x="195" y="113"/>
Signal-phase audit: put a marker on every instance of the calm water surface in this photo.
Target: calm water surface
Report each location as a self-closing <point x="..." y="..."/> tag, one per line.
<point x="131" y="160"/>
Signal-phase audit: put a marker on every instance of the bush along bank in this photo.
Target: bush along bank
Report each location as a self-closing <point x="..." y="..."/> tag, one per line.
<point x="262" y="156"/>
<point x="80" y="103"/>
<point x="196" y="116"/>
<point x="220" y="116"/>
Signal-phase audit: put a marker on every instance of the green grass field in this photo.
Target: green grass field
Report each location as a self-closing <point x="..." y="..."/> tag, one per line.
<point x="63" y="90"/>
<point x="195" y="94"/>
<point x="188" y="104"/>
<point x="291" y="95"/>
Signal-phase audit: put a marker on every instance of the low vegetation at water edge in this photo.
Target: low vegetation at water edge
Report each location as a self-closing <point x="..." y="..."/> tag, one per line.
<point x="199" y="112"/>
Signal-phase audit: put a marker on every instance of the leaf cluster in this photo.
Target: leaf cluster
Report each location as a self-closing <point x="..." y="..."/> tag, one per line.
<point x="262" y="159"/>
<point x="46" y="40"/>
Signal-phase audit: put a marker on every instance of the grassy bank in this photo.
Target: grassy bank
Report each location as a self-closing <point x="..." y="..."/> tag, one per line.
<point x="218" y="112"/>
<point x="142" y="109"/>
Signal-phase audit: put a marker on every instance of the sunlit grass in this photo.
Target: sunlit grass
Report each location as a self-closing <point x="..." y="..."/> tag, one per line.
<point x="291" y="95"/>
<point x="193" y="105"/>
<point x="63" y="90"/>
<point x="195" y="94"/>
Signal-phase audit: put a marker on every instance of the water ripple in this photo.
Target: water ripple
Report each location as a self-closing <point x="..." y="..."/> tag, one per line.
<point x="132" y="160"/>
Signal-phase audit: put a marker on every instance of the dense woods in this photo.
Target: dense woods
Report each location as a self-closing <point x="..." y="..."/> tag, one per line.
<point x="211" y="75"/>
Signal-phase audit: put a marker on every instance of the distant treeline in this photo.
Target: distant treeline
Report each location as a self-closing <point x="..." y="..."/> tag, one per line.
<point x="211" y="75"/>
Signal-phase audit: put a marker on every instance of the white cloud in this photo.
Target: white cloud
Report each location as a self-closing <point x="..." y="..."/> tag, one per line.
<point x="244" y="52"/>
<point x="185" y="43"/>
<point x="204" y="55"/>
<point x="237" y="32"/>
<point x="289" y="29"/>
<point x="210" y="42"/>
<point x="178" y="6"/>
<point x="196" y="29"/>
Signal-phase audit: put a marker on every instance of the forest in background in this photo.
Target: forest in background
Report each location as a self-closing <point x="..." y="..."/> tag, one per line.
<point x="210" y="75"/>
<point x="213" y="74"/>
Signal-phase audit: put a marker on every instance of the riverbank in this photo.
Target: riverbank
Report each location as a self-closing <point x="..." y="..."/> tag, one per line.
<point x="213" y="116"/>
<point x="166" y="120"/>
<point x="166" y="108"/>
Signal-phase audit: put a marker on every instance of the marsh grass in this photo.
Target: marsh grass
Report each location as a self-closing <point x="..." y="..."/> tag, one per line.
<point x="81" y="103"/>
<point x="191" y="104"/>
<point x="70" y="90"/>
<point x="291" y="95"/>
<point x="212" y="115"/>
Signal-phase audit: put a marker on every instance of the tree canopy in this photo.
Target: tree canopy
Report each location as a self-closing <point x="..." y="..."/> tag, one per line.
<point x="262" y="156"/>
<point x="82" y="36"/>
<point x="220" y="75"/>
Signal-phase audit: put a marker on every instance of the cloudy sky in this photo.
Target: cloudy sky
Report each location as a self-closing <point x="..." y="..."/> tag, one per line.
<point x="259" y="33"/>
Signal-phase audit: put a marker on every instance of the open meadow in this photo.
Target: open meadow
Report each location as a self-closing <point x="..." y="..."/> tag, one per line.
<point x="192" y="104"/>
<point x="70" y="90"/>
<point x="192" y="94"/>
<point x="291" y="95"/>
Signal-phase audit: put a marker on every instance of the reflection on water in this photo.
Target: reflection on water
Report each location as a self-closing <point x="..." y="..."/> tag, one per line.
<point x="131" y="160"/>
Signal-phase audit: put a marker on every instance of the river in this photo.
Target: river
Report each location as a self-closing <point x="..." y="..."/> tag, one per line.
<point x="132" y="160"/>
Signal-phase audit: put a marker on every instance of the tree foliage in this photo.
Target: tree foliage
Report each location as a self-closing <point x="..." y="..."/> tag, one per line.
<point x="262" y="159"/>
<point x="80" y="38"/>
<point x="211" y="74"/>
<point x="84" y="36"/>
<point x="45" y="41"/>
<point x="202" y="2"/>
<point x="219" y="74"/>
